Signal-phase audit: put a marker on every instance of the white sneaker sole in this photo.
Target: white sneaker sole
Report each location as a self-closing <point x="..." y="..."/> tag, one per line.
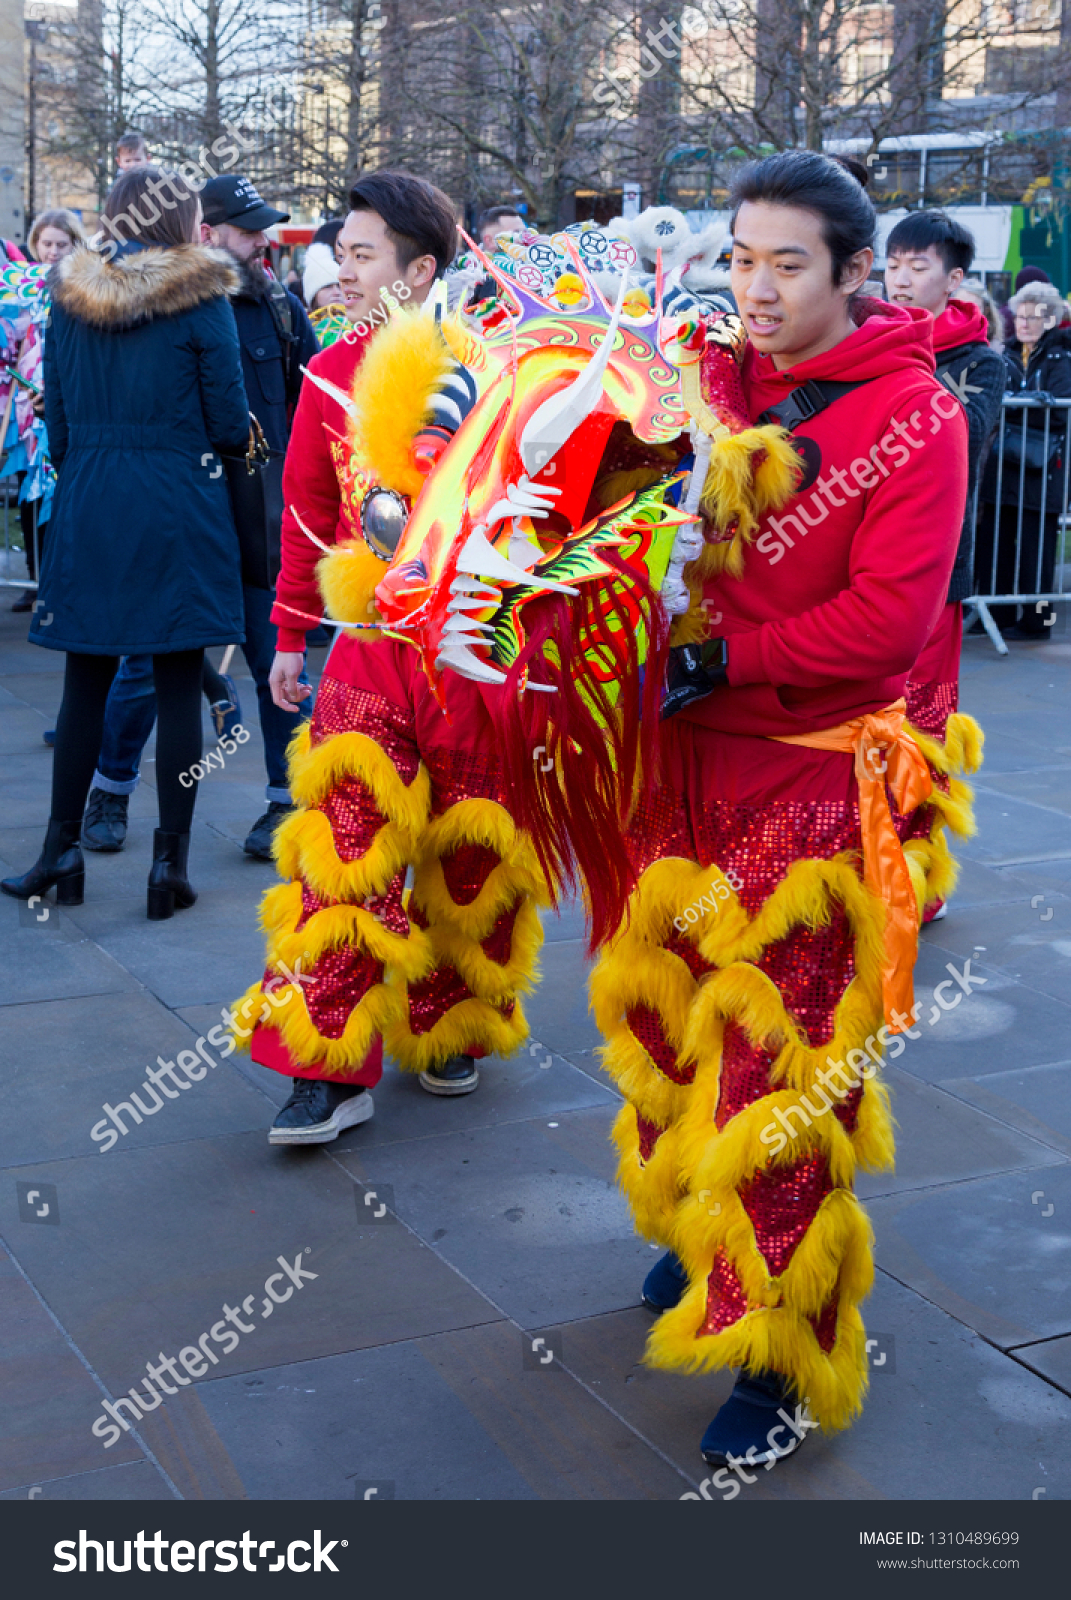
<point x="444" y="1086"/>
<point x="349" y="1114"/>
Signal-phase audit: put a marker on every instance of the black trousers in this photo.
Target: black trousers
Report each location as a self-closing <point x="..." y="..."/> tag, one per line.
<point x="177" y="678"/>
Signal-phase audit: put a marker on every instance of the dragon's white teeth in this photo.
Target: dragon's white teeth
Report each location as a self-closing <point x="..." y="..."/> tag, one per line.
<point x="465" y="584"/>
<point x="337" y="394"/>
<point x="523" y="549"/>
<point x="480" y="557"/>
<point x="459" y="659"/>
<point x="460" y="624"/>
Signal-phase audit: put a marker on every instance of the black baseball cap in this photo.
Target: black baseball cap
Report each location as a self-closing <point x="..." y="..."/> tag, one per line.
<point x="235" y="200"/>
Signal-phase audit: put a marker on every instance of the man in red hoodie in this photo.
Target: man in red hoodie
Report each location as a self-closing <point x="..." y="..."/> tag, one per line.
<point x="381" y="779"/>
<point x="928" y="255"/>
<point x="775" y="920"/>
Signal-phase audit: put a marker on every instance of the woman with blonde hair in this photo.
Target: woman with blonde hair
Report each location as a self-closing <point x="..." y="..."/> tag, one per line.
<point x="55" y="234"/>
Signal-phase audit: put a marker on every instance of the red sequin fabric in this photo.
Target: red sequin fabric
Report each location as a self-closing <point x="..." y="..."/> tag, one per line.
<point x="929" y="706"/>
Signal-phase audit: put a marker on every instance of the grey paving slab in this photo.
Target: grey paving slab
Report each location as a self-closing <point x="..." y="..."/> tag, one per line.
<point x="1018" y="939"/>
<point x="38" y="691"/>
<point x="1004" y="1025"/>
<point x="558" y="1012"/>
<point x="215" y="961"/>
<point x="1010" y="1429"/>
<point x="1051" y="1359"/>
<point x="995" y="1252"/>
<point x="1041" y="786"/>
<point x="48" y="1400"/>
<point x="1009" y="828"/>
<point x="52" y="959"/>
<point x="137" y="1480"/>
<point x="65" y="1060"/>
<point x="1035" y="1099"/>
<point x="488" y="1428"/>
<point x="528" y="1212"/>
<point x="151" y="1247"/>
<point x="940" y="1140"/>
<point x="980" y="885"/>
<point x="20" y="735"/>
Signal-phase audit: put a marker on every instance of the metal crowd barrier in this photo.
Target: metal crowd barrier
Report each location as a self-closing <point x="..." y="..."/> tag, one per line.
<point x="1018" y="428"/>
<point x="14" y="573"/>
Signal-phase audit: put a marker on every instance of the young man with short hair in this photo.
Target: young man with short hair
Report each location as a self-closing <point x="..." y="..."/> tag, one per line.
<point x="928" y="255"/>
<point x="383" y="779"/>
<point x="744" y="1043"/>
<point x="497" y="220"/>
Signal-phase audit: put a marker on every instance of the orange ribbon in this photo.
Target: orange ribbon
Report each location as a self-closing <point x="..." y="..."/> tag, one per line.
<point x="885" y="752"/>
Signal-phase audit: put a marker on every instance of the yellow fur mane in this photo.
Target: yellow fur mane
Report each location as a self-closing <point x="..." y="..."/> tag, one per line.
<point x="403" y="367"/>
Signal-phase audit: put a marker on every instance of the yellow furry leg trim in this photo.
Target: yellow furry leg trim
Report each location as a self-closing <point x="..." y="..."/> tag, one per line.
<point x="285" y="1010"/>
<point x="468" y="1025"/>
<point x="315" y="770"/>
<point x="476" y="822"/>
<point x="652" y="1187"/>
<point x="775" y="1338"/>
<point x="486" y="978"/>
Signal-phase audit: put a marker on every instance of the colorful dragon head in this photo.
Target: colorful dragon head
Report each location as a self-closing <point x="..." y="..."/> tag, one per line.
<point x="568" y="469"/>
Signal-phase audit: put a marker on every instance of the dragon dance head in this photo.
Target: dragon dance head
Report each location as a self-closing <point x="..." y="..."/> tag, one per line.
<point x="593" y="461"/>
<point x="543" y="482"/>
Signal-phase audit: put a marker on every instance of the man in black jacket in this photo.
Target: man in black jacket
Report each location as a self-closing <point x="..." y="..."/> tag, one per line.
<point x="276" y="340"/>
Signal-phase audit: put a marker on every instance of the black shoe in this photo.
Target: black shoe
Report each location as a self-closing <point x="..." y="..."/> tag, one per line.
<point x="104" y="824"/>
<point x="456" y="1076"/>
<point x="169" y="887"/>
<point x="262" y="833"/>
<point x="664" y="1284"/>
<point x="59" y="863"/>
<point x="751" y="1426"/>
<point x="26" y="600"/>
<point x="319" y="1110"/>
<point x="49" y="736"/>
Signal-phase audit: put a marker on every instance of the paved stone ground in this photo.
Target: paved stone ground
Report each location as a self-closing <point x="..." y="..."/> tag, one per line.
<point x="400" y="1368"/>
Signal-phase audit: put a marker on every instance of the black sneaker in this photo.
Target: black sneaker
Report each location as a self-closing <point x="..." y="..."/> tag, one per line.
<point x="262" y="833"/>
<point x="456" y="1076"/>
<point x="319" y="1110"/>
<point x="25" y="601"/>
<point x="104" y="823"/>
<point x="760" y="1423"/>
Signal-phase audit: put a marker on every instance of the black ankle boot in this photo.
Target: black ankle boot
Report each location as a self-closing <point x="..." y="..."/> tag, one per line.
<point x="169" y="887"/>
<point x="59" y="863"/>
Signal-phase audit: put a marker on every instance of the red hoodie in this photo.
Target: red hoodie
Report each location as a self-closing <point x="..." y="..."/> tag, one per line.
<point x="842" y="587"/>
<point x="312" y="486"/>
<point x="961" y="322"/>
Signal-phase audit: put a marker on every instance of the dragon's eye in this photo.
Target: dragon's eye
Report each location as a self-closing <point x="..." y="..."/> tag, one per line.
<point x="384" y="515"/>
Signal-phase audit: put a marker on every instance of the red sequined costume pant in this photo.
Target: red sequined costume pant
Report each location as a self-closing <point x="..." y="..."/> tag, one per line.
<point x="383" y="782"/>
<point x="747" y="980"/>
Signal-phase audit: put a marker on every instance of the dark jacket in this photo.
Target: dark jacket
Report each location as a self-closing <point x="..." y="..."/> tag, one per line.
<point x="143" y="383"/>
<point x="974" y="372"/>
<point x="273" y="375"/>
<point x="1047" y="372"/>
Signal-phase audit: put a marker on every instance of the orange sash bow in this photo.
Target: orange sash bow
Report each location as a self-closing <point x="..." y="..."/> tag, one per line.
<point x="884" y="750"/>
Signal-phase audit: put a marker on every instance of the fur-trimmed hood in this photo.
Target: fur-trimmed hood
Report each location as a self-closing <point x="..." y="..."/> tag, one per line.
<point x="139" y="285"/>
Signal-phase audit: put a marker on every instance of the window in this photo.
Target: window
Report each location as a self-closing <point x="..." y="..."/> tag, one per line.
<point x="953" y="177"/>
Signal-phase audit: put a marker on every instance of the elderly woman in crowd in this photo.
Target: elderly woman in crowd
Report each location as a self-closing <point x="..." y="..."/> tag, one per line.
<point x="1034" y="470"/>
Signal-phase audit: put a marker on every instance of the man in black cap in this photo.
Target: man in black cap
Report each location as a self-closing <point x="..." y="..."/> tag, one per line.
<point x="277" y="340"/>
